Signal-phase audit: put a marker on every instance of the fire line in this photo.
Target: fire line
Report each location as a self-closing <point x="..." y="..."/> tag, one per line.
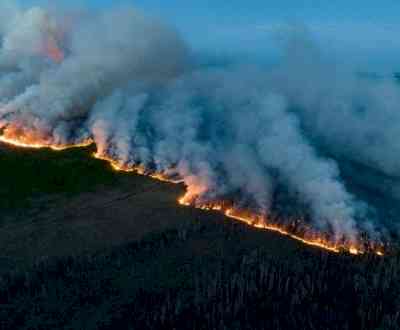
<point x="186" y="200"/>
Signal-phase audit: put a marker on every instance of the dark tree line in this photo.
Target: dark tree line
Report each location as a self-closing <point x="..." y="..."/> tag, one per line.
<point x="171" y="280"/>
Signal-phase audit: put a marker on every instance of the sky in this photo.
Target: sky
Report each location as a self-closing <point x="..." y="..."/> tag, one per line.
<point x="366" y="32"/>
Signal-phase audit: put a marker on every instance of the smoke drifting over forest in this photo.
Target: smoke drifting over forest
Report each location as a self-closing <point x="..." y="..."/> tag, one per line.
<point x="244" y="133"/>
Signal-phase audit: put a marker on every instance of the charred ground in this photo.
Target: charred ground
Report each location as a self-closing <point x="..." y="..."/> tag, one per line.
<point x="85" y="247"/>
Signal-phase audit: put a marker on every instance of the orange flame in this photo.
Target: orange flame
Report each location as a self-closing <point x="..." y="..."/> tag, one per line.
<point x="189" y="198"/>
<point x="261" y="222"/>
<point x="53" y="51"/>
<point x="29" y="140"/>
<point x="138" y="169"/>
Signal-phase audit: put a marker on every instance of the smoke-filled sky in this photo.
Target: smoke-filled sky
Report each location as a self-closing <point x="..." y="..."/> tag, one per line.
<point x="366" y="32"/>
<point x="305" y="137"/>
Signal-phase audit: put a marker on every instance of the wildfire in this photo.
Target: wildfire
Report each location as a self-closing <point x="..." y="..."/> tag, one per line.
<point x="117" y="166"/>
<point x="261" y="222"/>
<point x="188" y="199"/>
<point x="32" y="144"/>
<point x="53" y="51"/>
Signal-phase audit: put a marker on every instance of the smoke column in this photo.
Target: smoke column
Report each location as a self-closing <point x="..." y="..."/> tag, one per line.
<point x="247" y="135"/>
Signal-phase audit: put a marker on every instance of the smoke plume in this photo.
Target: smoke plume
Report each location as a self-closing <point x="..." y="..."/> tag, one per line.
<point x="245" y="134"/>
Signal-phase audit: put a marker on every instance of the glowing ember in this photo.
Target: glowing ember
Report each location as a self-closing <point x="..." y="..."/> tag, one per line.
<point x="260" y="222"/>
<point x="42" y="145"/>
<point x="116" y="166"/>
<point x="354" y="250"/>
<point x="135" y="168"/>
<point x="189" y="198"/>
<point x="251" y="220"/>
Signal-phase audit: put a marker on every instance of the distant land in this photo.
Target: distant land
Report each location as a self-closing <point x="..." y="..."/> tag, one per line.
<point x="87" y="247"/>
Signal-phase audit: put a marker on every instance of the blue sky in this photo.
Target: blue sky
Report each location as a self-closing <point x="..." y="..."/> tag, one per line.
<point x="365" y="32"/>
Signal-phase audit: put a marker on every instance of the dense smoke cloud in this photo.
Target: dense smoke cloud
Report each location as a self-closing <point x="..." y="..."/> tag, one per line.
<point x="128" y="82"/>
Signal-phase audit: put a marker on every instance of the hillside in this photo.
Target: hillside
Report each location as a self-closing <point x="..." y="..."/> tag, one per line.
<point x="85" y="247"/>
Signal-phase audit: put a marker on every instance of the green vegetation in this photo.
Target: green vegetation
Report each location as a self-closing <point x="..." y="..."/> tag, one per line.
<point x="205" y="275"/>
<point x="115" y="251"/>
<point x="26" y="174"/>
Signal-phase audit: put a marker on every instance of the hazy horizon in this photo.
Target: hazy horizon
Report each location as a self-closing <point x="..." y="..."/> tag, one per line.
<point x="360" y="33"/>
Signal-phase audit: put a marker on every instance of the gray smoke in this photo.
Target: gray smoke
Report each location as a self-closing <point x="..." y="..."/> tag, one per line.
<point x="246" y="134"/>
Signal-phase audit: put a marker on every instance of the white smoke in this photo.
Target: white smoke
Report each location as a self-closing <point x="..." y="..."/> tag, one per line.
<point x="129" y="82"/>
<point x="355" y="116"/>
